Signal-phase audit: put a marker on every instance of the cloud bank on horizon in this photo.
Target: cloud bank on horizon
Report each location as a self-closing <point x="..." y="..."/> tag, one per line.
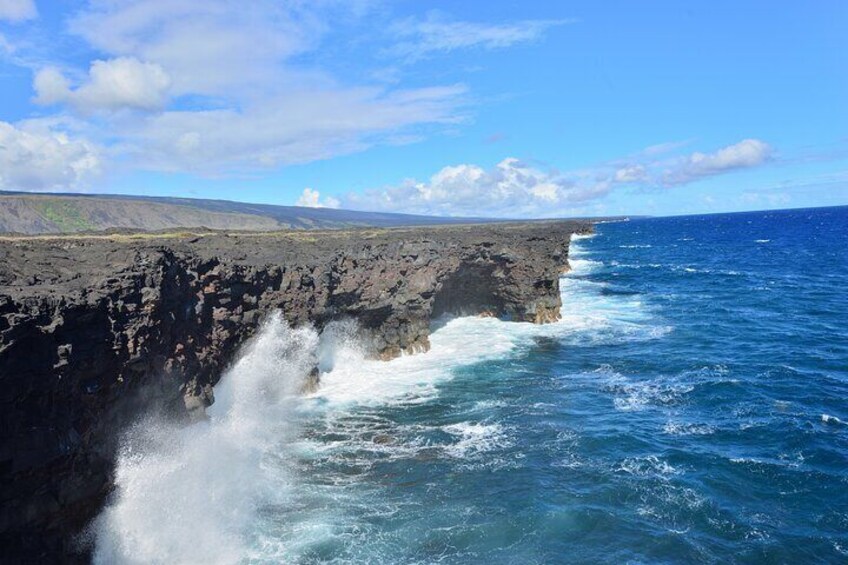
<point x="215" y="92"/>
<point x="514" y="188"/>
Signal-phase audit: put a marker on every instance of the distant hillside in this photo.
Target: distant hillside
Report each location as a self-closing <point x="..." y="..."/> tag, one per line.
<point x="27" y="213"/>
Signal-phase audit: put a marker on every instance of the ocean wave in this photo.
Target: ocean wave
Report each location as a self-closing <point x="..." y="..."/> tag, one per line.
<point x="414" y="378"/>
<point x="687" y="429"/>
<point x="579" y="236"/>
<point x="647" y="466"/>
<point x="583" y="266"/>
<point x="475" y="438"/>
<point x="489" y="404"/>
<point x="700" y="270"/>
<point x="640" y="395"/>
<point x="828" y="419"/>
<point x="634" y="246"/>
<point x="783" y="460"/>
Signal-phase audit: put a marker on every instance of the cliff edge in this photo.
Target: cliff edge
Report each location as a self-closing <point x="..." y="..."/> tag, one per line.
<point x="96" y="330"/>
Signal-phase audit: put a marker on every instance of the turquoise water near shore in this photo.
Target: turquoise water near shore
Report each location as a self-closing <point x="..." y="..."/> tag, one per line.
<point x="691" y="406"/>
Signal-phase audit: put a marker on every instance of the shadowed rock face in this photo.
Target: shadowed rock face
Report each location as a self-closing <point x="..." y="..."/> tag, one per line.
<point x="95" y="331"/>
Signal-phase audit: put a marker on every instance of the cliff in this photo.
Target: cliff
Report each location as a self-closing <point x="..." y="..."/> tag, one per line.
<point x="97" y="330"/>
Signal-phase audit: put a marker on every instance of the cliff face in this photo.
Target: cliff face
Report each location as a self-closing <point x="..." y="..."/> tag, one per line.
<point x="94" y="331"/>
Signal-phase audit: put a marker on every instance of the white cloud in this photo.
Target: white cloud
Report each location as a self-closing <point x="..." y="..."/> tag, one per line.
<point x="631" y="173"/>
<point x="210" y="47"/>
<point x="515" y="189"/>
<point x="124" y="82"/>
<point x="17" y="10"/>
<point x="51" y="86"/>
<point x="37" y="158"/>
<point x="437" y="34"/>
<point x="510" y="189"/>
<point x="742" y="155"/>
<point x="312" y="199"/>
<point x="243" y="103"/>
<point x="295" y="127"/>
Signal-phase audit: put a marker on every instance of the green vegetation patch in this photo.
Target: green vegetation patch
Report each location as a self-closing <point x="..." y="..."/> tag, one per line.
<point x="64" y="214"/>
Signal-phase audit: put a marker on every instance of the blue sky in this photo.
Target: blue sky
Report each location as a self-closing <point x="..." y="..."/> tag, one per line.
<point x="500" y="108"/>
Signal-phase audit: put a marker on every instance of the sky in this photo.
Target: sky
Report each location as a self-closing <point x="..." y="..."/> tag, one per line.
<point x="497" y="108"/>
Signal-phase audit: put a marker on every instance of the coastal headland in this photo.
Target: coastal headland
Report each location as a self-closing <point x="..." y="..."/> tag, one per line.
<point x="97" y="330"/>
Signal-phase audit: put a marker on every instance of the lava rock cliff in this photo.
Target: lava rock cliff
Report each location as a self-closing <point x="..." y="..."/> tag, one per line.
<point x="95" y="331"/>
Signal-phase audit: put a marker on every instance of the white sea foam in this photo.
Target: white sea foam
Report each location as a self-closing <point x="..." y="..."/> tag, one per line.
<point x="187" y="495"/>
<point x="413" y="378"/>
<point x="489" y="404"/>
<point x="579" y="236"/>
<point x="648" y="466"/>
<point x="639" y="395"/>
<point x="687" y="429"/>
<point x="476" y="438"/>
<point x="584" y="266"/>
<point x="828" y="419"/>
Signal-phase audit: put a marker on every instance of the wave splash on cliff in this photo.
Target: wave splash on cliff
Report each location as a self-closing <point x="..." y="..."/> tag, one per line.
<point x="189" y="494"/>
<point x="236" y="486"/>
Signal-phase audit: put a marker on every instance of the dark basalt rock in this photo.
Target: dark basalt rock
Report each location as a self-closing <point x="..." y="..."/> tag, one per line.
<point x="95" y="331"/>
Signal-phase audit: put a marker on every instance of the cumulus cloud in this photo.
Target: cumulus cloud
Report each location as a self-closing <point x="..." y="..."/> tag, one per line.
<point x="211" y="47"/>
<point x="36" y="158"/>
<point x="510" y="188"/>
<point x="420" y="37"/>
<point x="312" y="199"/>
<point x="742" y="155"/>
<point x="513" y="188"/>
<point x="17" y="10"/>
<point x="124" y="82"/>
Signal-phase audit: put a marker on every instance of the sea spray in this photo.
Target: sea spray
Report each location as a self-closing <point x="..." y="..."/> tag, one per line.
<point x="274" y="476"/>
<point x="190" y="494"/>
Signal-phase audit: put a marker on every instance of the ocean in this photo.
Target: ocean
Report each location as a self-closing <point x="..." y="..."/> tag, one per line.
<point x="690" y="406"/>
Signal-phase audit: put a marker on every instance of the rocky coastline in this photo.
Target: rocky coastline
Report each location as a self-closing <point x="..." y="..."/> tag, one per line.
<point x="96" y="330"/>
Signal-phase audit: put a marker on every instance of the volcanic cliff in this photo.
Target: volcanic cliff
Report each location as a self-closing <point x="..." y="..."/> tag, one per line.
<point x="96" y="330"/>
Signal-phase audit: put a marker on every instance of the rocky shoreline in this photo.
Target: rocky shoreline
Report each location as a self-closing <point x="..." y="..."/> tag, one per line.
<point x="96" y="330"/>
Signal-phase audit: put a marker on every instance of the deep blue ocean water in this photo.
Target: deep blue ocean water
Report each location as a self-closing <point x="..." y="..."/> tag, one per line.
<point x="692" y="406"/>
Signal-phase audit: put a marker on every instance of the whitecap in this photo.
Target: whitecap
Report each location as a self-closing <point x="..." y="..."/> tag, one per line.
<point x="828" y="419"/>
<point x="649" y="466"/>
<point x="639" y="395"/>
<point x="583" y="266"/>
<point x="579" y="236"/>
<point x="687" y="429"/>
<point x="475" y="438"/>
<point x="483" y="405"/>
